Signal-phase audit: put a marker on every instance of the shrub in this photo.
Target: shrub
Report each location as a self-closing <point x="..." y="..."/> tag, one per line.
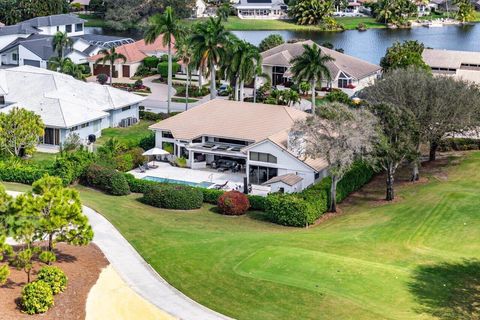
<point x="109" y="180"/>
<point x="124" y="162"/>
<point x="47" y="257"/>
<point x="290" y="210"/>
<point x="181" y="161"/>
<point x="211" y="195"/>
<point x="148" y="142"/>
<point x="70" y="166"/>
<point x="54" y="277"/>
<point x="37" y="297"/>
<point x="163" y="68"/>
<point x="151" y="62"/>
<point x="138" y="83"/>
<point x="458" y="144"/>
<point x="338" y="96"/>
<point x="21" y="173"/>
<point x="102" y="78"/>
<point x="233" y="203"/>
<point x="257" y="202"/>
<point x="171" y="196"/>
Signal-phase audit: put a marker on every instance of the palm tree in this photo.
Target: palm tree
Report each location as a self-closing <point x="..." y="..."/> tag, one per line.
<point x="60" y="42"/>
<point x="311" y="66"/>
<point x="184" y="54"/>
<point x="57" y="63"/>
<point x="110" y="56"/>
<point x="167" y="26"/>
<point x="208" y="43"/>
<point x="75" y="70"/>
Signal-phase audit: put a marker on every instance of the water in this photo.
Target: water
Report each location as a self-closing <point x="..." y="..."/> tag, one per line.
<point x="371" y="45"/>
<point x="203" y="184"/>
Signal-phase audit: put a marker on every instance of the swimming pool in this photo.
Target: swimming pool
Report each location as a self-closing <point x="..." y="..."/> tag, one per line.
<point x="203" y="184"/>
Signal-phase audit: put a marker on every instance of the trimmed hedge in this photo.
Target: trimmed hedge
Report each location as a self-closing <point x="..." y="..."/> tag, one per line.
<point x="458" y="144"/>
<point x="106" y="179"/>
<point x="25" y="174"/>
<point x="173" y="196"/>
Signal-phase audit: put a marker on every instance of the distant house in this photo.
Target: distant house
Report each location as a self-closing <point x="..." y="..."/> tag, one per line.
<point x="348" y="73"/>
<point x="200" y="9"/>
<point x="463" y="65"/>
<point x="65" y="104"/>
<point x="82" y="3"/>
<point x="261" y="9"/>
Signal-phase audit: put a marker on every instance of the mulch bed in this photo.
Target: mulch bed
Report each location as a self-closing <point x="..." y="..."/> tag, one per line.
<point x="82" y="265"/>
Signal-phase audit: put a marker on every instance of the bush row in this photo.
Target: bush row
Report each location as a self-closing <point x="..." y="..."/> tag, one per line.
<point x="459" y="144"/>
<point x="106" y="179"/>
<point x="171" y="196"/>
<point x="25" y="174"/>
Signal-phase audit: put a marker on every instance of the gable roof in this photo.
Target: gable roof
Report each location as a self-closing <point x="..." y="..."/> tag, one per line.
<point x="137" y="51"/>
<point x="354" y="67"/>
<point x="59" y="99"/>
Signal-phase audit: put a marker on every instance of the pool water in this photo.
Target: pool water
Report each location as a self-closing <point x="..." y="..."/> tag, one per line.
<point x="203" y="184"/>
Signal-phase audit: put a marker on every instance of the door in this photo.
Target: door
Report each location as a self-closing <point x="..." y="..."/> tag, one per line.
<point x="126" y="71"/>
<point x="99" y="69"/>
<point x="34" y="63"/>
<point x="52" y="137"/>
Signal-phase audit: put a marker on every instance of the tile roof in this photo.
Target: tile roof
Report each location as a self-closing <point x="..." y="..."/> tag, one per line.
<point x="59" y="99"/>
<point x="449" y="58"/>
<point x="354" y="67"/>
<point x="290" y="179"/>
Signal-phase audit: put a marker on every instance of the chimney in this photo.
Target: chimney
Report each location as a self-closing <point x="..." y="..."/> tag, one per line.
<point x="296" y="143"/>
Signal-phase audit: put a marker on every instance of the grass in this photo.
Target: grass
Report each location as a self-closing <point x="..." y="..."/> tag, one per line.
<point x="43" y="159"/>
<point x="130" y="136"/>
<point x="413" y="259"/>
<point x="93" y="21"/>
<point x="183" y="100"/>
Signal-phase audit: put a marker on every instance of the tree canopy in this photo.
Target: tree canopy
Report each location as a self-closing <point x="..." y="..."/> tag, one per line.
<point x="270" y="42"/>
<point x="403" y="55"/>
<point x="15" y="11"/>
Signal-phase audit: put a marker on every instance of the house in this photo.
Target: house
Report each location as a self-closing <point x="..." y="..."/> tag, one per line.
<point x="66" y="105"/>
<point x="200" y="8"/>
<point x="262" y="9"/>
<point x="82" y="4"/>
<point x="135" y="53"/>
<point x="256" y="138"/>
<point x="348" y="73"/>
<point x="463" y="65"/>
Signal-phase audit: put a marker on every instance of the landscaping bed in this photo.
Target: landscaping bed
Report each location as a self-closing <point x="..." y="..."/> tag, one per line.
<point x="132" y="87"/>
<point x="82" y="265"/>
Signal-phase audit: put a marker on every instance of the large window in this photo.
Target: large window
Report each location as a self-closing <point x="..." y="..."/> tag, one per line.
<point x="68" y="28"/>
<point x="15" y="56"/>
<point x="259" y="175"/>
<point x="51" y="136"/>
<point x="277" y="75"/>
<point x="167" y="134"/>
<point x="78" y="27"/>
<point x="344" y="81"/>
<point x="262" y="157"/>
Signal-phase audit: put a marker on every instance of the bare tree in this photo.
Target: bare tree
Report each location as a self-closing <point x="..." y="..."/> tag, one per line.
<point x="340" y="135"/>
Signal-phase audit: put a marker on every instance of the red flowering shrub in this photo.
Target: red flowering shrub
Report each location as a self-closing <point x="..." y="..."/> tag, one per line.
<point x="233" y="203"/>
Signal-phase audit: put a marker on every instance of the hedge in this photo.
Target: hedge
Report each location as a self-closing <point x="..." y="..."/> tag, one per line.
<point x="37" y="297"/>
<point x="70" y="166"/>
<point x="106" y="179"/>
<point x="173" y="196"/>
<point x="458" y="144"/>
<point x="26" y="174"/>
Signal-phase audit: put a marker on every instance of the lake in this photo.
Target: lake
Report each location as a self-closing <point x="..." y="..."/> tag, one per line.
<point x="369" y="45"/>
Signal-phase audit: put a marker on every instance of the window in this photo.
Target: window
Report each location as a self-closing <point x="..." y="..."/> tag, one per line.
<point x="259" y="175"/>
<point x="167" y="134"/>
<point x="2" y="99"/>
<point x="85" y="125"/>
<point x="197" y="140"/>
<point x="58" y="28"/>
<point x="231" y="141"/>
<point x="262" y="157"/>
<point x="15" y="56"/>
<point x="78" y="27"/>
<point x="74" y="128"/>
<point x="126" y="108"/>
<point x="68" y="28"/>
<point x="344" y="81"/>
<point x="51" y="136"/>
<point x="277" y="75"/>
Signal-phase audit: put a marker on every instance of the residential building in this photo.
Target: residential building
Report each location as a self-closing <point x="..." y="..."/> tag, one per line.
<point x="200" y="9"/>
<point x="256" y="139"/>
<point x="463" y="65"/>
<point x="262" y="9"/>
<point x="65" y="104"/>
<point x="347" y="73"/>
<point x="83" y="4"/>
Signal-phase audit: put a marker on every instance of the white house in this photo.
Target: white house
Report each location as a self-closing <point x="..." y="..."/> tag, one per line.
<point x="252" y="139"/>
<point x="463" y="65"/>
<point x="65" y="104"/>
<point x="262" y="9"/>
<point x="347" y="73"/>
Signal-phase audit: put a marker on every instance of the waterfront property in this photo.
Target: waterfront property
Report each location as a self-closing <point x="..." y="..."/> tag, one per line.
<point x="348" y="73"/>
<point x="252" y="141"/>
<point x="262" y="9"/>
<point x="65" y="104"/>
<point x="464" y="65"/>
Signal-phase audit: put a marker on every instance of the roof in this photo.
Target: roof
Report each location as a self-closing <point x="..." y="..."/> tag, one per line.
<point x="354" y="67"/>
<point x="53" y="20"/>
<point x="259" y="4"/>
<point x="104" y="40"/>
<point x="17" y="29"/>
<point x="231" y="119"/>
<point x="137" y="51"/>
<point x="59" y="99"/>
<point x="82" y="2"/>
<point x="449" y="58"/>
<point x="290" y="179"/>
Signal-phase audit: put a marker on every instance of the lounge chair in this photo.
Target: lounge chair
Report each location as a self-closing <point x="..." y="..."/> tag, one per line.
<point x="220" y="186"/>
<point x="141" y="168"/>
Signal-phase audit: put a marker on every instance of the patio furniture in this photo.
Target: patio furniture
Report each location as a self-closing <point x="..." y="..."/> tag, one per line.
<point x="155" y="152"/>
<point x="220" y="186"/>
<point x="141" y="168"/>
<point x="222" y="169"/>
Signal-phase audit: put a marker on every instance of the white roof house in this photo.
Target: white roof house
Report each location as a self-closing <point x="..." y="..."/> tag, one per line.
<point x="463" y="65"/>
<point x="65" y="103"/>
<point x="261" y="9"/>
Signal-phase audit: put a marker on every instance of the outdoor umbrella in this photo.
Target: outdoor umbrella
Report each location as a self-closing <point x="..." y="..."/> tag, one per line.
<point x="155" y="152"/>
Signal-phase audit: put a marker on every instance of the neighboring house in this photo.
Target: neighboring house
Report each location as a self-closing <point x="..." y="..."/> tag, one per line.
<point x="65" y="104"/>
<point x="255" y="136"/>
<point x="135" y="53"/>
<point x="261" y="9"/>
<point x="463" y="65"/>
<point x="200" y="8"/>
<point x="83" y="4"/>
<point x="348" y="73"/>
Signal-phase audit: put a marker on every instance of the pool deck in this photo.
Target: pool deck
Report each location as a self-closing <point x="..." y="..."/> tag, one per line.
<point x="166" y="171"/>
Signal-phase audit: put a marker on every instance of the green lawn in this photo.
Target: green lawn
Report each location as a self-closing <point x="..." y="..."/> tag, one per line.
<point x="183" y="100"/>
<point x="414" y="259"/>
<point x="43" y="159"/>
<point x="93" y="21"/>
<point x="129" y="136"/>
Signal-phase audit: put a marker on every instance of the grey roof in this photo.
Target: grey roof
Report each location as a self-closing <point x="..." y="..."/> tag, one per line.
<point x="17" y="29"/>
<point x="90" y="49"/>
<point x="54" y="20"/>
<point x="281" y="56"/>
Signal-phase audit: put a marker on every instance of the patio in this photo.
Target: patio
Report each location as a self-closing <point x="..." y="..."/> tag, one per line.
<point x="166" y="171"/>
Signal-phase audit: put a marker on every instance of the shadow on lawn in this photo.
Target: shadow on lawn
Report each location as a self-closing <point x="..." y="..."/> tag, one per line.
<point x="448" y="291"/>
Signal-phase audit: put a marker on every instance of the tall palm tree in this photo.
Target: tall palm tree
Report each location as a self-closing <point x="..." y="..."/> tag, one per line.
<point x="110" y="56"/>
<point x="75" y="70"/>
<point x="167" y="26"/>
<point x="60" y="42"/>
<point x="311" y="66"/>
<point x="184" y="54"/>
<point x="58" y="63"/>
<point x="208" y="43"/>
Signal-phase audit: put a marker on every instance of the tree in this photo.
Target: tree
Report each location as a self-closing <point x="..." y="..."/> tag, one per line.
<point x="339" y="134"/>
<point x="466" y="11"/>
<point x="225" y="10"/>
<point x="110" y="56"/>
<point x="403" y="55"/>
<point x="184" y="54"/>
<point x="311" y="12"/>
<point x="290" y="97"/>
<point x="397" y="142"/>
<point x="5" y="249"/>
<point x="311" y="66"/>
<point x="394" y="11"/>
<point x="20" y="130"/>
<point x="67" y="66"/>
<point x="208" y="44"/>
<point x="61" y="42"/>
<point x="270" y="42"/>
<point x="60" y="213"/>
<point x="169" y="27"/>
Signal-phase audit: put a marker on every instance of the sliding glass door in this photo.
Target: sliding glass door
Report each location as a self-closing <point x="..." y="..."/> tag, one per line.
<point x="259" y="175"/>
<point x="51" y="136"/>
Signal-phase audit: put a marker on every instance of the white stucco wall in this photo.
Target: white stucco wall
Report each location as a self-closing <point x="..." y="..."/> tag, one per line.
<point x="117" y="115"/>
<point x="24" y="54"/>
<point x="6" y="40"/>
<point x="54" y="29"/>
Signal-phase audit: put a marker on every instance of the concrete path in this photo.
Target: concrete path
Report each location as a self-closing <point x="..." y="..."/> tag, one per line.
<point x="140" y="276"/>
